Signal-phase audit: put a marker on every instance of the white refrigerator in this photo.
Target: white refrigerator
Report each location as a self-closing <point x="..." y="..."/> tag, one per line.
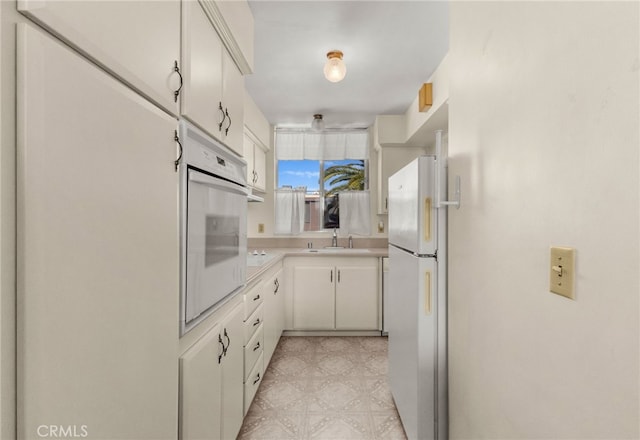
<point x="417" y="301"/>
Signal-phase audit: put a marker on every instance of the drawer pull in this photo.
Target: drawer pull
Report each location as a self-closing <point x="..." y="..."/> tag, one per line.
<point x="256" y="298"/>
<point x="257" y="322"/>
<point x="257" y="346"/>
<point x="257" y="379"/>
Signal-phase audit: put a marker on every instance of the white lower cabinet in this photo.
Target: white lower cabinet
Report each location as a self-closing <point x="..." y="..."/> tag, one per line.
<point x="334" y="293"/>
<point x="263" y="327"/>
<point x="253" y="343"/>
<point x="253" y="382"/>
<point x="273" y="290"/>
<point x="201" y="388"/>
<point x="357" y="297"/>
<point x="211" y="382"/>
<point x="314" y="297"/>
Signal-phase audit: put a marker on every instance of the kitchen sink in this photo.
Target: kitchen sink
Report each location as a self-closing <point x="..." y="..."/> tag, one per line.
<point x="335" y="250"/>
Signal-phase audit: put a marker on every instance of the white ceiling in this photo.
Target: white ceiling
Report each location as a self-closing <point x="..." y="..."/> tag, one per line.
<point x="390" y="49"/>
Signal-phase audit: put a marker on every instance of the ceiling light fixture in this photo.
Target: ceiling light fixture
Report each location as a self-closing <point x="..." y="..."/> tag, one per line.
<point x="318" y="123"/>
<point x="334" y="68"/>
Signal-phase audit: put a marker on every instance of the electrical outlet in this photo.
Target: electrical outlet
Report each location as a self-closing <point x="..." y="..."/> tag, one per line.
<point x="261" y="228"/>
<point x="380" y="227"/>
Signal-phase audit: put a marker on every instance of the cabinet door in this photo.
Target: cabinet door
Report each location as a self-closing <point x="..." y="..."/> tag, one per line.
<point x="357" y="298"/>
<point x="201" y="388"/>
<point x="313" y="298"/>
<point x="201" y="69"/>
<point x="247" y="154"/>
<point x="98" y="247"/>
<point x="280" y="301"/>
<point x="233" y="103"/>
<point x="274" y="314"/>
<point x="232" y="329"/>
<point x="137" y="40"/>
<point x="260" y="167"/>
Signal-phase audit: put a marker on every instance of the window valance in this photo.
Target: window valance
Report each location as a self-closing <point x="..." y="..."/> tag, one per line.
<point x="322" y="146"/>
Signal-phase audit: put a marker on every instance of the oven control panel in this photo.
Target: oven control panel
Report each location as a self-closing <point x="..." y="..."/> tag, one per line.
<point x="204" y="152"/>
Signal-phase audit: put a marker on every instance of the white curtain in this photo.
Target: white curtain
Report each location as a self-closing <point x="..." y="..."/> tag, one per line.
<point x="355" y="212"/>
<point x="322" y="146"/>
<point x="289" y="207"/>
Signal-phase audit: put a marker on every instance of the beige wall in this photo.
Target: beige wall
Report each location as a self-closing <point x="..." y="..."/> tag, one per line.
<point x="544" y="111"/>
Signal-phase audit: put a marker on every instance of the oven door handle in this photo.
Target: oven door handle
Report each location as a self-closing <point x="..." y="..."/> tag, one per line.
<point x="217" y="183"/>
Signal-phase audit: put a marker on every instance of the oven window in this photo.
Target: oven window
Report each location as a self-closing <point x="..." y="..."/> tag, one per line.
<point x="222" y="239"/>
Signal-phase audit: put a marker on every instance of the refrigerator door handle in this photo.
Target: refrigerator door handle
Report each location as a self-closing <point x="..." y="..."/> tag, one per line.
<point x="440" y="170"/>
<point x="427" y="219"/>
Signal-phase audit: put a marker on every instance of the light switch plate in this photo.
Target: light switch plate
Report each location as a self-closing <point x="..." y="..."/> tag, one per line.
<point x="561" y="271"/>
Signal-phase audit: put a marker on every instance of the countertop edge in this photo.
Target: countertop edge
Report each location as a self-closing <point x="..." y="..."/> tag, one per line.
<point x="255" y="272"/>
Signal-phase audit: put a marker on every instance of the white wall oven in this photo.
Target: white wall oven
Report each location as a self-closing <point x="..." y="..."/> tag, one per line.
<point x="213" y="224"/>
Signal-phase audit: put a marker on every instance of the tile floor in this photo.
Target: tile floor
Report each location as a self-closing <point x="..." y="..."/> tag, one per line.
<point x="325" y="388"/>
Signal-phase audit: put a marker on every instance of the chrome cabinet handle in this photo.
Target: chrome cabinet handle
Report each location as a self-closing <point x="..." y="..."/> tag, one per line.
<point x="257" y="379"/>
<point x="257" y="322"/>
<point x="176" y="93"/>
<point x="224" y="116"/>
<point x="257" y="346"/>
<point x="228" y="341"/>
<point x="256" y="298"/>
<point x="332" y="275"/>
<point x="277" y="284"/>
<point x="226" y="130"/>
<point x="338" y="276"/>
<point x="223" y="349"/>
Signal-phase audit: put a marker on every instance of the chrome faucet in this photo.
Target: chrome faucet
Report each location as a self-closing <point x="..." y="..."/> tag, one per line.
<point x="350" y="242"/>
<point x="334" y="240"/>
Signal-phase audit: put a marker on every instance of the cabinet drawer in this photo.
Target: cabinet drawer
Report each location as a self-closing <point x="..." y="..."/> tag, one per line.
<point x="252" y="299"/>
<point x="252" y="324"/>
<point x="252" y="383"/>
<point x="253" y="350"/>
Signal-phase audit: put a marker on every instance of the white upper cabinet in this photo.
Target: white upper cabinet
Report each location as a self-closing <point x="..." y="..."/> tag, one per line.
<point x="213" y="91"/>
<point x="255" y="153"/>
<point x="138" y="41"/>
<point x="201" y="70"/>
<point x="233" y="102"/>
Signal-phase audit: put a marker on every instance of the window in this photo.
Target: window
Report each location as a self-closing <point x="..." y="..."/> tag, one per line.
<point x="323" y="180"/>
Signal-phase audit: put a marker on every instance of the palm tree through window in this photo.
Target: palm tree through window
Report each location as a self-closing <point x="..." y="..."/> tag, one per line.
<point x="323" y="180"/>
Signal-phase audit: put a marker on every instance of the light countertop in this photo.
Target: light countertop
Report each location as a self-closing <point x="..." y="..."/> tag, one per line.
<point x="258" y="264"/>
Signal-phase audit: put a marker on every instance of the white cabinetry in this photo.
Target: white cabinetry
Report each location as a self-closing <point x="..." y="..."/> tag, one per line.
<point x="213" y="90"/>
<point x="357" y="297"/>
<point x="211" y="391"/>
<point x="233" y="103"/>
<point x="201" y="388"/>
<point x="98" y="234"/>
<point x="253" y="341"/>
<point x="314" y="297"/>
<point x="232" y="330"/>
<point x="274" y="312"/>
<point x="335" y="293"/>
<point x="255" y="153"/>
<point x="139" y="41"/>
